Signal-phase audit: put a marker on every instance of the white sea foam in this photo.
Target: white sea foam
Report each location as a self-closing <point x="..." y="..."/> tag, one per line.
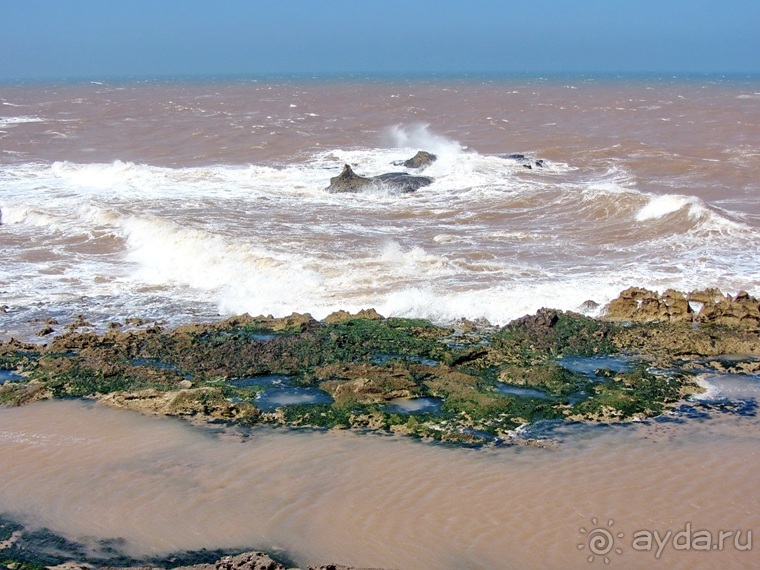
<point x="487" y="239"/>
<point x="661" y="206"/>
<point x="8" y="121"/>
<point x="727" y="386"/>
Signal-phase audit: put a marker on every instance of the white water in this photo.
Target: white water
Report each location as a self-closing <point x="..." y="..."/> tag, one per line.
<point x="487" y="239"/>
<point x="223" y="208"/>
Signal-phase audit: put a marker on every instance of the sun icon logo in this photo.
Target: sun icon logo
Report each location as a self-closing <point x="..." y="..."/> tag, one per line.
<point x="600" y="541"/>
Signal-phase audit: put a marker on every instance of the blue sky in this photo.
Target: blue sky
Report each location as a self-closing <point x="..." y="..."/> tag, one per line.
<point x="52" y="39"/>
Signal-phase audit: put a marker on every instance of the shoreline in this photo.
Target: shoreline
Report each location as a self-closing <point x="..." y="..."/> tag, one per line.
<point x="474" y="384"/>
<point x="638" y="362"/>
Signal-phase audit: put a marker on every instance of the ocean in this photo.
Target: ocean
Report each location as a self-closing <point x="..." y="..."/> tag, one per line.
<point x="190" y="201"/>
<point x="187" y="201"/>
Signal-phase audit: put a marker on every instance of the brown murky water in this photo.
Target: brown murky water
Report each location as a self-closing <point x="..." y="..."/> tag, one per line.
<point x="180" y="202"/>
<point x="88" y="471"/>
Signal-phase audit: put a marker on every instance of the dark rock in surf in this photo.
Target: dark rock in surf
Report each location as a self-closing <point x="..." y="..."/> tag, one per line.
<point x="349" y="181"/>
<point x="422" y="159"/>
<point x="403" y="182"/>
<point x="524" y="160"/>
<point x="588" y="306"/>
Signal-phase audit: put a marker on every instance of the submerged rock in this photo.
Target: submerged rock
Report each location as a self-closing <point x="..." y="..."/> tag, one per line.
<point x="526" y="162"/>
<point x="349" y="181"/>
<point x="422" y="159"/>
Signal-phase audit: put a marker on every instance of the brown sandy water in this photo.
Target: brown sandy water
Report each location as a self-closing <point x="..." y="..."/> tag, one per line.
<point x="183" y="201"/>
<point x="84" y="470"/>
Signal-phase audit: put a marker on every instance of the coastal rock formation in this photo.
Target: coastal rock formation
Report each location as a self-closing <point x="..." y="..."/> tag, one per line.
<point x="219" y="371"/>
<point x="349" y="181"/>
<point x="642" y="305"/>
<point x="338" y="316"/>
<point x="709" y="306"/>
<point x="202" y="401"/>
<point x="245" y="561"/>
<point x="365" y="383"/>
<point x="741" y="310"/>
<point x="422" y="159"/>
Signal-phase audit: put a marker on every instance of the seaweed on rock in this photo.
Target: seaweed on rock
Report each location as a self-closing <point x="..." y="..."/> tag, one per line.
<point x="364" y="361"/>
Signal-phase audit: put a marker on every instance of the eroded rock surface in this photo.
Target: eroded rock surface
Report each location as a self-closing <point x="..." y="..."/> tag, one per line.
<point x="707" y="306"/>
<point x="402" y="182"/>
<point x="422" y="159"/>
<point x="219" y="371"/>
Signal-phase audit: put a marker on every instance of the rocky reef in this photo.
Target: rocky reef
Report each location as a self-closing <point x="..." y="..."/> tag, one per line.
<point x="23" y="548"/>
<point x="470" y="383"/>
<point x="705" y="306"/>
<point x="402" y="182"/>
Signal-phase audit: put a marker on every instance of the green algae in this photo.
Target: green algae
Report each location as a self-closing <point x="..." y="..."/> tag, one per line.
<point x="364" y="362"/>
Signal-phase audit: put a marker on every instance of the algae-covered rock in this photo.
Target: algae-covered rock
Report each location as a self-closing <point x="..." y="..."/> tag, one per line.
<point x="550" y="333"/>
<point x="338" y="316"/>
<point x="203" y="401"/>
<point x="365" y="383"/>
<point x="484" y="378"/>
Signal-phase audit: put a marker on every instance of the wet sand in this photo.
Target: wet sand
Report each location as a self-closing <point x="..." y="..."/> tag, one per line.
<point x="84" y="470"/>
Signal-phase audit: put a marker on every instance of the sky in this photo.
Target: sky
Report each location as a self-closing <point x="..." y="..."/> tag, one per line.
<point x="57" y="39"/>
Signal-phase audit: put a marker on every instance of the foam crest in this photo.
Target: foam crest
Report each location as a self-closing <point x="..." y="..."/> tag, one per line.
<point x="9" y="121"/>
<point x="661" y="206"/>
<point x="23" y="215"/>
<point x="105" y="176"/>
<point x="413" y="261"/>
<point x="238" y="275"/>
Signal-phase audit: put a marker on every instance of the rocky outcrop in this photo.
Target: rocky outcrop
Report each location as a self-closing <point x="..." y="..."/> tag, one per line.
<point x="202" y="401"/>
<point x="742" y="310"/>
<point x="709" y="306"/>
<point x="245" y="561"/>
<point x="422" y="159"/>
<point x="341" y="315"/>
<point x="349" y="181"/>
<point x="641" y="305"/>
<point x="365" y="383"/>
